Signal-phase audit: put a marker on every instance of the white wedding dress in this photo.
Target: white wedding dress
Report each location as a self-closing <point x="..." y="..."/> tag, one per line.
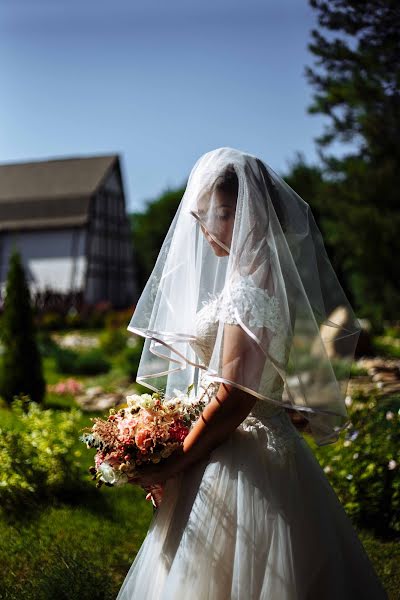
<point x="257" y="520"/>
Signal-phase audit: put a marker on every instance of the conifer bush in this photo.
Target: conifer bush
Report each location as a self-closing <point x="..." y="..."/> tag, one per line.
<point x="21" y="370"/>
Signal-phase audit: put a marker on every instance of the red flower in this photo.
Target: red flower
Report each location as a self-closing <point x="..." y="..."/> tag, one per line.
<point x="178" y="432"/>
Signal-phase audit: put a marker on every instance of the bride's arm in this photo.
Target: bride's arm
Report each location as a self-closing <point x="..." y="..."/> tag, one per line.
<point x="242" y="361"/>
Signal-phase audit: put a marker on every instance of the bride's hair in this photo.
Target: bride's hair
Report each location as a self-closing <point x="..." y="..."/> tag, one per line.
<point x="227" y="183"/>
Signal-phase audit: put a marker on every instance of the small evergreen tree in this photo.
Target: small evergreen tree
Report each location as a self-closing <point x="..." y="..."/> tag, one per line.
<point x="21" y="365"/>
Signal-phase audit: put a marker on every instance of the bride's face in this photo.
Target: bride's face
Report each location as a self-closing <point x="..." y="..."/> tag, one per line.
<point x="216" y="219"/>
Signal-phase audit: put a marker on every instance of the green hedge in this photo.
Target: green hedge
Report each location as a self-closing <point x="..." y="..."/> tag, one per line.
<point x="88" y="362"/>
<point x="130" y="358"/>
<point x="113" y="340"/>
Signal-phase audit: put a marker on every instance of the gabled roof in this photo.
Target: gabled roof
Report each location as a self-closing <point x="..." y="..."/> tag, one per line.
<point x="50" y="193"/>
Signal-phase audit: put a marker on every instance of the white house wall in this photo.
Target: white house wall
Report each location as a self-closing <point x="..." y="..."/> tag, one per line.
<point x="53" y="259"/>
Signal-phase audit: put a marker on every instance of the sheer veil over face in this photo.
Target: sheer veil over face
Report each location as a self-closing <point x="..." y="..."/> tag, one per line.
<point x="245" y="245"/>
<point x="216" y="217"/>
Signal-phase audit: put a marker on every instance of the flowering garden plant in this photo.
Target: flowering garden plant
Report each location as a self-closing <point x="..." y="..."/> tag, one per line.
<point x="363" y="466"/>
<point x="147" y="430"/>
<point x="69" y="386"/>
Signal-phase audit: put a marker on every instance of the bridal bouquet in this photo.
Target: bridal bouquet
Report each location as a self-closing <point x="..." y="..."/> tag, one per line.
<point x="147" y="430"/>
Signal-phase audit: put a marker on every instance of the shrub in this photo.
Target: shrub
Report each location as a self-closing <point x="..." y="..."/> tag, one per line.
<point x="95" y="317"/>
<point x="393" y="330"/>
<point x="119" y="318"/>
<point x="363" y="466"/>
<point x="51" y="321"/>
<point x="36" y="454"/>
<point x="386" y="346"/>
<point x="113" y="341"/>
<point x="21" y="369"/>
<point x="47" y="346"/>
<point x="65" y="360"/>
<point x="74" y="320"/>
<point x="130" y="359"/>
<point x="89" y="362"/>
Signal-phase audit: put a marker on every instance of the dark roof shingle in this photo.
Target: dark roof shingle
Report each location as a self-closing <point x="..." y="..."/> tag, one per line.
<point x="50" y="193"/>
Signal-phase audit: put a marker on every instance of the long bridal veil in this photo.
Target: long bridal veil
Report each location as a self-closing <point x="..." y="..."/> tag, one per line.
<point x="274" y="243"/>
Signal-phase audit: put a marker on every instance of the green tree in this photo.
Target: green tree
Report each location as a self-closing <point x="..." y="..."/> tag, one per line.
<point x="356" y="81"/>
<point x="309" y="182"/>
<point x="21" y="365"/>
<point x="149" y="229"/>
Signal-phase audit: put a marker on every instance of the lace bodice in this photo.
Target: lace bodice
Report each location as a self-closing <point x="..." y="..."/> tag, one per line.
<point x="260" y="309"/>
<point x="257" y="308"/>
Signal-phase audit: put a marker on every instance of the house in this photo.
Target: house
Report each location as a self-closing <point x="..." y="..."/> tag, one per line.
<point x="67" y="217"/>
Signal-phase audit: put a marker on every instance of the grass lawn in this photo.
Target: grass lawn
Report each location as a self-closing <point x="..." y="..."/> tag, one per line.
<point x="82" y="547"/>
<point x="81" y="551"/>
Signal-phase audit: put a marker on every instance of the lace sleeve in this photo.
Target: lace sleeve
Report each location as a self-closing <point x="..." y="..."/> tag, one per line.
<point x="254" y="306"/>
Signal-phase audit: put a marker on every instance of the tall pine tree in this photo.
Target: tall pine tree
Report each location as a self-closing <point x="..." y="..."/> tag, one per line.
<point x="356" y="81"/>
<point x="21" y="364"/>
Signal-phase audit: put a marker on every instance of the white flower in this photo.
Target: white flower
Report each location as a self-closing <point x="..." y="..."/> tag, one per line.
<point x="347" y="443"/>
<point x="327" y="469"/>
<point x="389" y="415"/>
<point x="355" y="455"/>
<point x="392" y="464"/>
<point x="169" y="401"/>
<point x="181" y="397"/>
<point x="110" y="475"/>
<point x="133" y="401"/>
<point x="146" y="397"/>
<point x="349" y="476"/>
<point x="140" y="401"/>
<point x="147" y="401"/>
<point x="348" y="401"/>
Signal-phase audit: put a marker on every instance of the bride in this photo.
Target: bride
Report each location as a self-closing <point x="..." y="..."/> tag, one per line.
<point x="244" y="304"/>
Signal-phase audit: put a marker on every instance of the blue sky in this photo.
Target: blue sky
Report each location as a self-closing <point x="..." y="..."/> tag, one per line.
<point x="160" y="83"/>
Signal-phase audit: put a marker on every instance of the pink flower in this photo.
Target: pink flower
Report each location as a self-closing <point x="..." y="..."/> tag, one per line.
<point x="143" y="439"/>
<point x="126" y="427"/>
<point x="98" y="459"/>
<point x="69" y="386"/>
<point x="146" y="416"/>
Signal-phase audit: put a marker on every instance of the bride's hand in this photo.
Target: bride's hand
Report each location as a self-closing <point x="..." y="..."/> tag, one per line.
<point x="158" y="473"/>
<point x="149" y="475"/>
<point x="155" y="494"/>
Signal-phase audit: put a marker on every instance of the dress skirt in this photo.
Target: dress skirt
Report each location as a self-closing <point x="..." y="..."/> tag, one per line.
<point x="256" y="520"/>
